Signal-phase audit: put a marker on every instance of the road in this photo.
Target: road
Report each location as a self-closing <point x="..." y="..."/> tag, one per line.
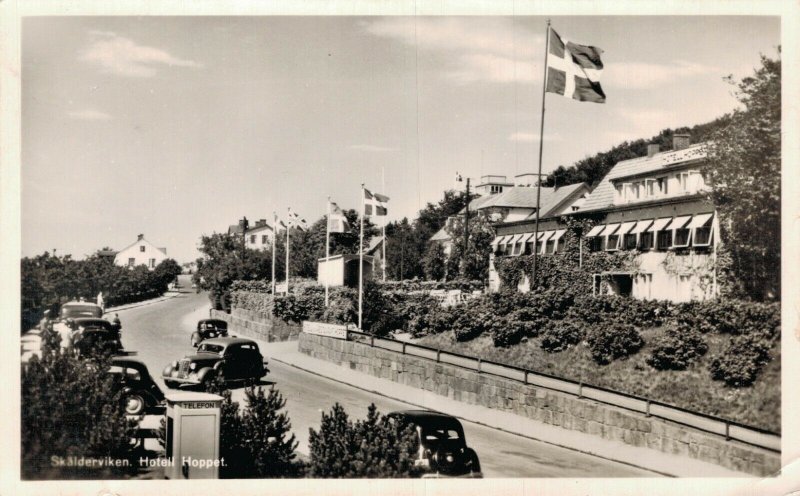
<point x="160" y="334"/>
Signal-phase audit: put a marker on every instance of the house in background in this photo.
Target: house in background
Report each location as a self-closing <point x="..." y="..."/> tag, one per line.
<point x="258" y="237"/>
<point x="141" y="252"/>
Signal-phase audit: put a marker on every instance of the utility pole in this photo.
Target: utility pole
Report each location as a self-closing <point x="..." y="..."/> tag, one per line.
<point x="244" y="237"/>
<point x="466" y="220"/>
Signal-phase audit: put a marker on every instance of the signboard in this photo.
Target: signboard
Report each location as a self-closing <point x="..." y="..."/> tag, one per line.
<point x="280" y="287"/>
<point x="329" y="330"/>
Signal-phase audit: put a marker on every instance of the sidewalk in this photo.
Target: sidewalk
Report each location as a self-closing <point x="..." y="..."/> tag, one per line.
<point x="662" y="463"/>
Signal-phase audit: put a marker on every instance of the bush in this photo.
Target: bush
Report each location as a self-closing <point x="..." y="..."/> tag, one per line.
<point x="613" y="340"/>
<point x="375" y="447"/>
<point x="677" y="348"/>
<point x="430" y="318"/>
<point x="560" y="335"/>
<point x="733" y="317"/>
<point x="740" y="364"/>
<point x="471" y="320"/>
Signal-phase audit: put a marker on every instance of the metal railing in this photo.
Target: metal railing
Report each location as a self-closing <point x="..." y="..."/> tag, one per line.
<point x="754" y="436"/>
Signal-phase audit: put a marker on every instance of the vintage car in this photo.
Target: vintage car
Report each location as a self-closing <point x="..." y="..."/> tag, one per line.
<point x="140" y="394"/>
<point x="92" y="334"/>
<point x="209" y="328"/>
<point x="79" y="309"/>
<point x="230" y="359"/>
<point x="63" y="322"/>
<point x="442" y="449"/>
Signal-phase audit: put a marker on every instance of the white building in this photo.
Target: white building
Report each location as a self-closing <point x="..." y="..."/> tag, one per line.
<point x="259" y="237"/>
<point x="142" y="252"/>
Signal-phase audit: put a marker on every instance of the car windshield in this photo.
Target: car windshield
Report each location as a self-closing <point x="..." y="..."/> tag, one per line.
<point x="74" y="311"/>
<point x="211" y="348"/>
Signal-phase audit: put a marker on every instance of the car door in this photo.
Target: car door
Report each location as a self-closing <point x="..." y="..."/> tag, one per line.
<point x="232" y="362"/>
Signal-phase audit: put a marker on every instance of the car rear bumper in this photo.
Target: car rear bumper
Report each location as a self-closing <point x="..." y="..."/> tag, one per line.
<point x="470" y="475"/>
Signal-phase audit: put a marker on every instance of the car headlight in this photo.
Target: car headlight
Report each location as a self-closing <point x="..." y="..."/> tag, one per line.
<point x="192" y="366"/>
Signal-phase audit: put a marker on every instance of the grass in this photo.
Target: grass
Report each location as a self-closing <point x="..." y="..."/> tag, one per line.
<point x="692" y="389"/>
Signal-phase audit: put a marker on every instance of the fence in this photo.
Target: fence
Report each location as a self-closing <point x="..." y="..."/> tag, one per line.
<point x="730" y="430"/>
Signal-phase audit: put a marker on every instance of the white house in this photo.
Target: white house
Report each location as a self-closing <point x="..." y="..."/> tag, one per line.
<point x="259" y="237"/>
<point x="142" y="252"/>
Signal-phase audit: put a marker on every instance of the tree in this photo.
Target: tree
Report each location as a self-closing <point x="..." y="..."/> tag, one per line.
<point x="70" y="408"/>
<point x="375" y="447"/>
<point x="166" y="272"/>
<point x="434" y="262"/>
<point x="745" y="179"/>
<point x="403" y="260"/>
<point x="470" y="262"/>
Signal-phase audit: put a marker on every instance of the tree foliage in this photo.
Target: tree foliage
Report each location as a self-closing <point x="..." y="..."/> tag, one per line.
<point x="70" y="407"/>
<point x="745" y="178"/>
<point x="375" y="447"/>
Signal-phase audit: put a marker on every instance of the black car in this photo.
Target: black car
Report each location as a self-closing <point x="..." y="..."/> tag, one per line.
<point x="443" y="451"/>
<point x="230" y="359"/>
<point x="140" y="394"/>
<point x="208" y="329"/>
<point x="92" y="334"/>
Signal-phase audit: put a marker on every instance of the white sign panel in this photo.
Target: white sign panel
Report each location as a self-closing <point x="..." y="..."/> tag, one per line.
<point x="322" y="329"/>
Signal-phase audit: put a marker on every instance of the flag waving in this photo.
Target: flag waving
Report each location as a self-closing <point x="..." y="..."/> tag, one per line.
<point x="337" y="222"/>
<point x="573" y="70"/>
<point x="374" y="203"/>
<point x="297" y="221"/>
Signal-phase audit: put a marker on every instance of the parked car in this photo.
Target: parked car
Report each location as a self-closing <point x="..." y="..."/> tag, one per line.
<point x="140" y="394"/>
<point x="443" y="451"/>
<point x="80" y="309"/>
<point x="209" y="328"/>
<point x="94" y="334"/>
<point x="230" y="359"/>
<point x="63" y="323"/>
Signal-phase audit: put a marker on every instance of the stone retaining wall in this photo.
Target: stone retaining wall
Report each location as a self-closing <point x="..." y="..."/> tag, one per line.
<point x="256" y="325"/>
<point x="541" y="404"/>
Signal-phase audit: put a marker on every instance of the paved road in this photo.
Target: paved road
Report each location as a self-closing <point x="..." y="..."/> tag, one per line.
<point x="160" y="334"/>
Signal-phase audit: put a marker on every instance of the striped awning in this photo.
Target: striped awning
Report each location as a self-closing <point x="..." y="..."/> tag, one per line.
<point x="642" y="226"/>
<point x="498" y="240"/>
<point x="527" y="237"/>
<point x="610" y="229"/>
<point x="679" y="222"/>
<point x="595" y="231"/>
<point x="700" y="220"/>
<point x="546" y="235"/>
<point x="625" y="227"/>
<point x="659" y="224"/>
<point x="557" y="235"/>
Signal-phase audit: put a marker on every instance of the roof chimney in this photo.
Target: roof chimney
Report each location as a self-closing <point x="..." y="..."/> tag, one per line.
<point x="681" y="141"/>
<point x="141" y="236"/>
<point x="652" y="149"/>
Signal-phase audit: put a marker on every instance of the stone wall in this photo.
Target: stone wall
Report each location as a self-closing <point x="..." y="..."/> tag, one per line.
<point x="257" y="325"/>
<point x="542" y="404"/>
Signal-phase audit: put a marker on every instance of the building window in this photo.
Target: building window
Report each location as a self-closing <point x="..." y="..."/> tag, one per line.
<point x="152" y="263"/>
<point x="263" y="239"/>
<point x="595" y="243"/>
<point x="630" y="241"/>
<point x="662" y="185"/>
<point x="131" y="261"/>
<point x="702" y="236"/>
<point x="683" y="182"/>
<point x="618" y="193"/>
<point x="550" y="247"/>
<point x="141" y="248"/>
<point x="646" y="240"/>
<point x="612" y="244"/>
<point x="664" y="240"/>
<point x="252" y="239"/>
<point x="681" y="238"/>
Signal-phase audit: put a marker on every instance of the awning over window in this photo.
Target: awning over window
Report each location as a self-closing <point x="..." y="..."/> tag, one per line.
<point x="499" y="240"/>
<point x="700" y="220"/>
<point x="679" y="222"/>
<point x="515" y="239"/>
<point x="642" y="226"/>
<point x="557" y="235"/>
<point x="595" y="231"/>
<point x="659" y="224"/>
<point x="609" y="230"/>
<point x="546" y="235"/>
<point x="625" y="227"/>
<point x="527" y="237"/>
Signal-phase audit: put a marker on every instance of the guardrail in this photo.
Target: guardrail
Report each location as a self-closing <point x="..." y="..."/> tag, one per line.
<point x="754" y="436"/>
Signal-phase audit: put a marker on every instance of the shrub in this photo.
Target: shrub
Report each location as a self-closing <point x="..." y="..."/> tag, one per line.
<point x="375" y="447"/>
<point x="734" y="317"/>
<point x="430" y="318"/>
<point x="740" y="364"/>
<point x="342" y="306"/>
<point x="677" y="348"/>
<point x="471" y="320"/>
<point x="560" y="335"/>
<point x="613" y="340"/>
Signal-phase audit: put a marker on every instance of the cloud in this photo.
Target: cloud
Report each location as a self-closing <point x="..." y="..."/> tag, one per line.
<point x="639" y="75"/>
<point x="371" y="148"/>
<point x="476" y="49"/>
<point x="122" y="56"/>
<point x="532" y="137"/>
<point x="89" y="115"/>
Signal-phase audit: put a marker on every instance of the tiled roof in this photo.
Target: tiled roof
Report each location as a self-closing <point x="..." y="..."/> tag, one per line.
<point x="603" y="194"/>
<point x="525" y="197"/>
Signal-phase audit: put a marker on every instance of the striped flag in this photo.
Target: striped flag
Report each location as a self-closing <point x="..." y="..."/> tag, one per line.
<point x="573" y="70"/>
<point x="337" y="222"/>
<point x="374" y="203"/>
<point x="281" y="224"/>
<point x="297" y="221"/>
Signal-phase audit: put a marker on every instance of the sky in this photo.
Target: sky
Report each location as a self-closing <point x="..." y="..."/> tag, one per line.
<point x="175" y="127"/>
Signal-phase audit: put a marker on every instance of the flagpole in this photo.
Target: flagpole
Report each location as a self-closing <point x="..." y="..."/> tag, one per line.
<point x="383" y="190"/>
<point x="539" y="182"/>
<point x="327" y="249"/>
<point x="287" y="254"/>
<point x="274" y="236"/>
<point x="361" y="261"/>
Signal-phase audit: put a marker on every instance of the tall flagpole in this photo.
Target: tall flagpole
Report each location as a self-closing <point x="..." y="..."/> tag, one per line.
<point x="539" y="182"/>
<point x="287" y="253"/>
<point x="383" y="190"/>
<point x="361" y="261"/>
<point x="274" y="236"/>
<point x="327" y="250"/>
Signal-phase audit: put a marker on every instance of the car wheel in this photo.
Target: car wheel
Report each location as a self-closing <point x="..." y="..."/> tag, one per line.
<point x="134" y="404"/>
